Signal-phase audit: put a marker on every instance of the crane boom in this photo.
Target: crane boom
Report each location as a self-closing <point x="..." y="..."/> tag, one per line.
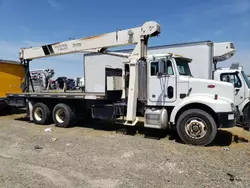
<point x="96" y="43"/>
<point x="101" y="43"/>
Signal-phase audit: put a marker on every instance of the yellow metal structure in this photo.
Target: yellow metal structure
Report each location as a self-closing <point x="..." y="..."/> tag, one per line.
<point x="12" y="75"/>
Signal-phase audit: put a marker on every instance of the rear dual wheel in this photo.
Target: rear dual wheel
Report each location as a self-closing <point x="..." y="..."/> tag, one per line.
<point x="63" y="115"/>
<point x="41" y="114"/>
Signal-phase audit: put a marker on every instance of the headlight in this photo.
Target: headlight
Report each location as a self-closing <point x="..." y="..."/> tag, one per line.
<point x="232" y="107"/>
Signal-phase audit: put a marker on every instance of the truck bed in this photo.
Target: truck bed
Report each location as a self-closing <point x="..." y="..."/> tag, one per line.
<point x="70" y="94"/>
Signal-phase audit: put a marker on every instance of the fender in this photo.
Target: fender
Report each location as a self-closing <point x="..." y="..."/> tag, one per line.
<point x="218" y="106"/>
<point x="243" y="105"/>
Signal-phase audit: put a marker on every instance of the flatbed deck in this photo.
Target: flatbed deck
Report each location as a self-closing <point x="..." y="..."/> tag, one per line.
<point x="72" y="95"/>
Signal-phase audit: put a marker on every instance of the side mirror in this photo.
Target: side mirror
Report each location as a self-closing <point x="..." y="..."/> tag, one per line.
<point x="161" y="66"/>
<point x="159" y="74"/>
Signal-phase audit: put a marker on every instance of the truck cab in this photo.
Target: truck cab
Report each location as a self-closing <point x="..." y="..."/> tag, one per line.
<point x="166" y="73"/>
<point x="236" y="75"/>
<point x="175" y="98"/>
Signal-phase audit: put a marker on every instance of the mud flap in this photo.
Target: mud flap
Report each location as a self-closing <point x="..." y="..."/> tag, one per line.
<point x="238" y="117"/>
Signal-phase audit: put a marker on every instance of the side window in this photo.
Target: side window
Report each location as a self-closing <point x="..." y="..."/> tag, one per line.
<point x="168" y="68"/>
<point x="231" y="78"/>
<point x="154" y="68"/>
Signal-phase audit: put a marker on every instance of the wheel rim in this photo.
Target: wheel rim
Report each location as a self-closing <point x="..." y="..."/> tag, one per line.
<point x="196" y="128"/>
<point x="38" y="114"/>
<point x="60" y="115"/>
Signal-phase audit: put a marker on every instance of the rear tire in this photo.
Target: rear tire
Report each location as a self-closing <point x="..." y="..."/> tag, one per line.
<point x="41" y="114"/>
<point x="246" y="118"/>
<point x="196" y="127"/>
<point x="63" y="116"/>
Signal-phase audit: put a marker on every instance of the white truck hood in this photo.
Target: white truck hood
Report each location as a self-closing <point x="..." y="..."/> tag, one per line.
<point x="210" y="87"/>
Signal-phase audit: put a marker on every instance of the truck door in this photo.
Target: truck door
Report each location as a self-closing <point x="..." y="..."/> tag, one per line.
<point x="162" y="82"/>
<point x="234" y="78"/>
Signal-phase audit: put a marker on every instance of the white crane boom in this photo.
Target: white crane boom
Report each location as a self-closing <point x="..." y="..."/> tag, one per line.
<point x="96" y="43"/>
<point x="101" y="43"/>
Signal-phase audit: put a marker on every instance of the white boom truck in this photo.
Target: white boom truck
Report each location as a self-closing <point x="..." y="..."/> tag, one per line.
<point x="205" y="56"/>
<point x="161" y="83"/>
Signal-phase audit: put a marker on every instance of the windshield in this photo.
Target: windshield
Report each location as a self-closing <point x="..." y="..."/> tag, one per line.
<point x="245" y="78"/>
<point x="183" y="66"/>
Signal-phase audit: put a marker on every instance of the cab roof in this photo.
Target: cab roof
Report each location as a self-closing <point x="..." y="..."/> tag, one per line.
<point x="169" y="55"/>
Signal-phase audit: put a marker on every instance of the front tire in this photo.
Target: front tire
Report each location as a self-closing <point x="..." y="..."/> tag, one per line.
<point x="41" y="114"/>
<point x="196" y="127"/>
<point x="63" y="116"/>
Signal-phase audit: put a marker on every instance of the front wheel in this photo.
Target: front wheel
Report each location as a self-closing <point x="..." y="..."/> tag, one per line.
<point x="196" y="127"/>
